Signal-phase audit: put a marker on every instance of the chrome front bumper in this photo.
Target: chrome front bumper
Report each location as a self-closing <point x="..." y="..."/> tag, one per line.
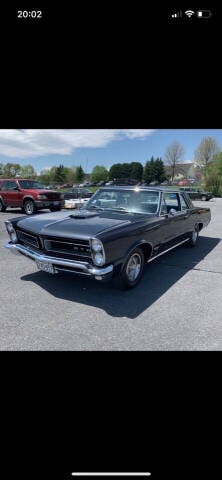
<point x="80" y="268"/>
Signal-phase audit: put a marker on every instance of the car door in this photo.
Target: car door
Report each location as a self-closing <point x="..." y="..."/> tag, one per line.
<point x="10" y="193"/>
<point x="175" y="221"/>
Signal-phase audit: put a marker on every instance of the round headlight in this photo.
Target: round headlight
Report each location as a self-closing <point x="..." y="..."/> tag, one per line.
<point x="98" y="259"/>
<point x="96" y="246"/>
<point x="13" y="237"/>
<point x="10" y="227"/>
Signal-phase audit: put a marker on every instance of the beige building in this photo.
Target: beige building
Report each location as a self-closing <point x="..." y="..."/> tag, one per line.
<point x="184" y="170"/>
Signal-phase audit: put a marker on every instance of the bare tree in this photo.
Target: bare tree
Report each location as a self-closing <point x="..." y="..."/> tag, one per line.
<point x="204" y="154"/>
<point x="173" y="156"/>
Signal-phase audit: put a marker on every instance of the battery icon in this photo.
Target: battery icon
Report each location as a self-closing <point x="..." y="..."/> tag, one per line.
<point x="204" y="14"/>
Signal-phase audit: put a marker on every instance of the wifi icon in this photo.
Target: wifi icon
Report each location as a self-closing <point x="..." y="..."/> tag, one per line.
<point x="189" y="13"/>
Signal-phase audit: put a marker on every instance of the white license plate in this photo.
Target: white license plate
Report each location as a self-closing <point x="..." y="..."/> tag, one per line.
<point x="46" y="267"/>
<point x="55" y="203"/>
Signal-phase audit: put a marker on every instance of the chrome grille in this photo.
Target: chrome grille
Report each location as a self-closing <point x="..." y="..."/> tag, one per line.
<point x="78" y="249"/>
<point x="52" y="195"/>
<point x="27" y="239"/>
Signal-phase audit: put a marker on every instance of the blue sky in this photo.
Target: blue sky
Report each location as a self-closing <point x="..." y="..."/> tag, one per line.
<point x="46" y="148"/>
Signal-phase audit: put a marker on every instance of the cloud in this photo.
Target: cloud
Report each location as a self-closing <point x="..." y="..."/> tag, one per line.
<point x="23" y="143"/>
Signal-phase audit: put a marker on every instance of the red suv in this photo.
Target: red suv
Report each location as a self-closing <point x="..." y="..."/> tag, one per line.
<point x="29" y="195"/>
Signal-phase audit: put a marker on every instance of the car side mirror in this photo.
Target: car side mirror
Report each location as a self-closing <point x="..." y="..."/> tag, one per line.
<point x="16" y="188"/>
<point x="172" y="212"/>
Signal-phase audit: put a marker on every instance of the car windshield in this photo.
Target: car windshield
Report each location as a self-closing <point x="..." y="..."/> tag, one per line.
<point x="31" y="184"/>
<point x="134" y="201"/>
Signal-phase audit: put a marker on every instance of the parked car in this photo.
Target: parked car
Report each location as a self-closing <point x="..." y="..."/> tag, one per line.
<point x="77" y="193"/>
<point x="114" y="235"/>
<point x="197" y="193"/>
<point x="65" y="185"/>
<point x="101" y="183"/>
<point x="29" y="195"/>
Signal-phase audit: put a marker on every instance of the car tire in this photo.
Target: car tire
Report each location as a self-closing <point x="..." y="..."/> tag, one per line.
<point x="132" y="270"/>
<point x="29" y="207"/>
<point x="55" y="209"/>
<point x="194" y="237"/>
<point x="2" y="207"/>
<point x="204" y="198"/>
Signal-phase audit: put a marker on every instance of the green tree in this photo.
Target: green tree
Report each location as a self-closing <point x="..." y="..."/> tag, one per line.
<point x="28" y="171"/>
<point x="10" y="170"/>
<point x="206" y="151"/>
<point x="44" y="177"/>
<point x="136" y="171"/>
<point x="154" y="170"/>
<point x="79" y="174"/>
<point x="60" y="174"/>
<point x="99" y="173"/>
<point x="213" y="175"/>
<point x="1" y="168"/>
<point x="115" y="171"/>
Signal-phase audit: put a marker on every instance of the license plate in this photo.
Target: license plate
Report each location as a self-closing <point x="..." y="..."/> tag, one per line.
<point x="55" y="203"/>
<point x="45" y="267"/>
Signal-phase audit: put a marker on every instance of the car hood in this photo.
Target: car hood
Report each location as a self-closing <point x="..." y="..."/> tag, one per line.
<point x="40" y="191"/>
<point x="80" y="224"/>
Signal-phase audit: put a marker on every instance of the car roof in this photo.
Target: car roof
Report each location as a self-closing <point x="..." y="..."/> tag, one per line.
<point x="142" y="188"/>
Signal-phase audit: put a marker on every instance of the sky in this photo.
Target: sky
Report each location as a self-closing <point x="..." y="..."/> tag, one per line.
<point x="90" y="147"/>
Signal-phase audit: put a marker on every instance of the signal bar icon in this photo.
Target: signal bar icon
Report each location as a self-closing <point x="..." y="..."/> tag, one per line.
<point x="177" y="14"/>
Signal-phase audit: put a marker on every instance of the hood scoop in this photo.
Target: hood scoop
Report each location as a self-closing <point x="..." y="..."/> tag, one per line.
<point x="84" y="214"/>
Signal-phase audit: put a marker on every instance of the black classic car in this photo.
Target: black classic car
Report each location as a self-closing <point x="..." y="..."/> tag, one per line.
<point x="119" y="230"/>
<point x="197" y="193"/>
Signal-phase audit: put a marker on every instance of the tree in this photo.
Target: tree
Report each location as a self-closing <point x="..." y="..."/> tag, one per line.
<point x="79" y="174"/>
<point x="115" y="171"/>
<point x="160" y="174"/>
<point x="136" y="171"/>
<point x="60" y="174"/>
<point x="149" y="171"/>
<point x="173" y="156"/>
<point x="154" y="171"/>
<point x="10" y="170"/>
<point x="28" y="171"/>
<point x="213" y="175"/>
<point x="99" y="173"/>
<point x="44" y="177"/>
<point x="205" y="153"/>
<point x="1" y="168"/>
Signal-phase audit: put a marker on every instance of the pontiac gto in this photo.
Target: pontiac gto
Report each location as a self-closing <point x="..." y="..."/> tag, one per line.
<point x="113" y="235"/>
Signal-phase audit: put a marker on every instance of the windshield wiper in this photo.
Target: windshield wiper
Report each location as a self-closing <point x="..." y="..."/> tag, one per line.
<point x="95" y="207"/>
<point x="120" y="209"/>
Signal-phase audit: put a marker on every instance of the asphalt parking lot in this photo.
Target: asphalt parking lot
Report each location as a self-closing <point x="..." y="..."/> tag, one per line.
<point x="177" y="306"/>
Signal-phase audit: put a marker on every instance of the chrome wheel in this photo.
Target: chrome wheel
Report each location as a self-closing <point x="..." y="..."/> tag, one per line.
<point x="194" y="236"/>
<point x="29" y="207"/>
<point x="2" y="208"/>
<point x="133" y="268"/>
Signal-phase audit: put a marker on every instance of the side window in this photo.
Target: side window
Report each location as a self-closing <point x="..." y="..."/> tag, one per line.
<point x="163" y="210"/>
<point x="5" y="186"/>
<point x="172" y="201"/>
<point x="184" y="205"/>
<point x="12" y="185"/>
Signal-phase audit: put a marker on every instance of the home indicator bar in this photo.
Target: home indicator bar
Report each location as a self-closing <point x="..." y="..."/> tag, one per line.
<point x="111" y="474"/>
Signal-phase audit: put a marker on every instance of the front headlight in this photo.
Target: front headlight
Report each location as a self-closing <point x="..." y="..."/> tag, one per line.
<point x="98" y="259"/>
<point x="96" y="245"/>
<point x="10" y="228"/>
<point x="98" y="253"/>
<point x="42" y="197"/>
<point x="13" y="237"/>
